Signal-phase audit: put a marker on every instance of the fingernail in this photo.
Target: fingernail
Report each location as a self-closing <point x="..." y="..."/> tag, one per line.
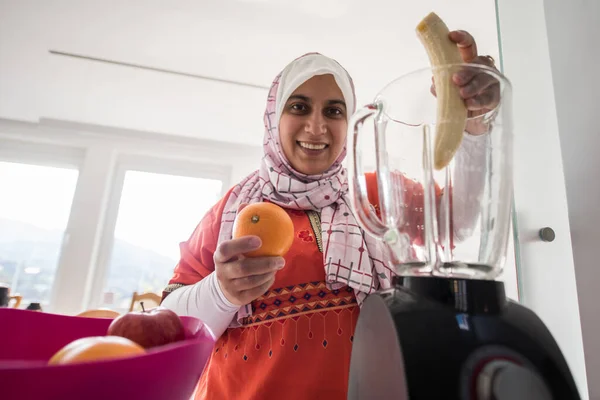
<point x="280" y="263"/>
<point x="459" y="77"/>
<point x="254" y="241"/>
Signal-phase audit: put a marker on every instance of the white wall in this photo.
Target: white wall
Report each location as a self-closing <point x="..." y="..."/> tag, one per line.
<point x="573" y="34"/>
<point x="245" y="41"/>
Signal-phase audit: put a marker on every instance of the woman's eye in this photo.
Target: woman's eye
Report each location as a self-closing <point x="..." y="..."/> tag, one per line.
<point x="298" y="107"/>
<point x="335" y="112"/>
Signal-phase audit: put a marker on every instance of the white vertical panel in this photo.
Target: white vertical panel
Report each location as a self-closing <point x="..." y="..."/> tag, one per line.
<point x="546" y="272"/>
<point x="82" y="236"/>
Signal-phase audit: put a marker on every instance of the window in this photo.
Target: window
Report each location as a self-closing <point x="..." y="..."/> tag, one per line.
<point x="35" y="202"/>
<point x="156" y="212"/>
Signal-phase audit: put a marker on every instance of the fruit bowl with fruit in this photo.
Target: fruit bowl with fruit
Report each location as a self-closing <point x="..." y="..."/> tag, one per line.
<point x="148" y="355"/>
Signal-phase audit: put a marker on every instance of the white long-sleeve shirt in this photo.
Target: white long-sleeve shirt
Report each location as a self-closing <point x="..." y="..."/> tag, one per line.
<point x="204" y="300"/>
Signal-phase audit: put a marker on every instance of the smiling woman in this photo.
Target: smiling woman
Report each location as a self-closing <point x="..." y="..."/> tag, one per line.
<point x="316" y="303"/>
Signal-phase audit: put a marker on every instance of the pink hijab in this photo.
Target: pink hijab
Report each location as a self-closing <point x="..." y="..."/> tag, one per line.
<point x="350" y="256"/>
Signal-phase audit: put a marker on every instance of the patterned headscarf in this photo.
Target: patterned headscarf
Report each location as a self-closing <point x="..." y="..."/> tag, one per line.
<point x="350" y="256"/>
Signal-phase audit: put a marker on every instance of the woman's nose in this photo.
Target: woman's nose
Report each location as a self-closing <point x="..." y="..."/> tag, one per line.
<point x="316" y="124"/>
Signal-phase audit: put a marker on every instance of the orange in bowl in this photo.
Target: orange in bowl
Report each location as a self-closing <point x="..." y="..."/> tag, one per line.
<point x="96" y="348"/>
<point x="270" y="223"/>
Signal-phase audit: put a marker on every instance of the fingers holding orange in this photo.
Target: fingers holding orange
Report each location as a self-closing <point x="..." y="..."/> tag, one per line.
<point x="245" y="266"/>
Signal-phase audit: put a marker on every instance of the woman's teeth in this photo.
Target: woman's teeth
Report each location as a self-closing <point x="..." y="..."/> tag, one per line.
<point x="313" y="146"/>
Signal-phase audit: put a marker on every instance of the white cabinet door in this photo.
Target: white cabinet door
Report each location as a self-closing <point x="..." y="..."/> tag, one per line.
<point x="546" y="270"/>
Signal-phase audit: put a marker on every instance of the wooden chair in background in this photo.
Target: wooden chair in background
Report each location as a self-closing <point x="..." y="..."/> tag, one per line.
<point x="99" y="313"/>
<point x="150" y="300"/>
<point x="17" y="300"/>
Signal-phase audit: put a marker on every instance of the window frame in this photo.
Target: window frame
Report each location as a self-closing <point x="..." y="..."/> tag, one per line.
<point x="102" y="155"/>
<point x="41" y="154"/>
<point x="141" y="163"/>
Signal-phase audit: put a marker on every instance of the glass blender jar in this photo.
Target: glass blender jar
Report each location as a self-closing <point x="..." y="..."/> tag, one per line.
<point x="452" y="221"/>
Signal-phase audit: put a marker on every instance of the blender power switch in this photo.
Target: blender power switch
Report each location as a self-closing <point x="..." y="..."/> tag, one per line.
<point x="547" y="234"/>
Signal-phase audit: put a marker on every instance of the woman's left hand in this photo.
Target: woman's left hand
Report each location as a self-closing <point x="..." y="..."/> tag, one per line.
<point x="480" y="91"/>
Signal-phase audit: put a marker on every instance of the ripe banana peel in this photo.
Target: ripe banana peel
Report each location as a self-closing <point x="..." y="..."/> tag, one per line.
<point x="451" y="109"/>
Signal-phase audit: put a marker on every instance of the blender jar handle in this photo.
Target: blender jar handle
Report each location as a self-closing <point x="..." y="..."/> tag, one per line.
<point x="357" y="182"/>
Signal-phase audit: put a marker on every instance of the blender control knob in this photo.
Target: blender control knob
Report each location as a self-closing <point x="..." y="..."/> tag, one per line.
<point x="504" y="380"/>
<point x="547" y="234"/>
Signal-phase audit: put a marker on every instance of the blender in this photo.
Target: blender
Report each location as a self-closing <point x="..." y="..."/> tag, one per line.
<point x="442" y="326"/>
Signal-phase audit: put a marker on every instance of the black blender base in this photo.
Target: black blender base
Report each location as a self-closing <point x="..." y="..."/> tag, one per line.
<point x="435" y="338"/>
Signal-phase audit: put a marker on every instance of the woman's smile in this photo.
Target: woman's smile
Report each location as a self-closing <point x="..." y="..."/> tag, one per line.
<point x="313" y="149"/>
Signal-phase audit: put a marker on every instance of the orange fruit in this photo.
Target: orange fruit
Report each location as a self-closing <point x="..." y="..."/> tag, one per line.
<point x="96" y="348"/>
<point x="270" y="223"/>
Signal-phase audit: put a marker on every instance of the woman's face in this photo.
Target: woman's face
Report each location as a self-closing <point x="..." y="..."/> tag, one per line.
<point x="313" y="124"/>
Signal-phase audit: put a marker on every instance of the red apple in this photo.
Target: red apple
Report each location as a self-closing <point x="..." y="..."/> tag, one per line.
<point x="155" y="327"/>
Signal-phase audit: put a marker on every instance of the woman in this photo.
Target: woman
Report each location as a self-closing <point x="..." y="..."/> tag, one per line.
<point x="285" y="325"/>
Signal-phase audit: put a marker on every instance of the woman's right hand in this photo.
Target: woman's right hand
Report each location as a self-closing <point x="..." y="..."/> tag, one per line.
<point x="242" y="279"/>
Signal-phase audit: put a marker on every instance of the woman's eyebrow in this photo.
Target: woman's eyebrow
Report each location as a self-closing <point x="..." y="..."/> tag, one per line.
<point x="308" y="100"/>
<point x="337" y="101"/>
<point x="299" y="97"/>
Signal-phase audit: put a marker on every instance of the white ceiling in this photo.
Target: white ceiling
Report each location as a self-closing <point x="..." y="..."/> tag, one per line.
<point x="239" y="40"/>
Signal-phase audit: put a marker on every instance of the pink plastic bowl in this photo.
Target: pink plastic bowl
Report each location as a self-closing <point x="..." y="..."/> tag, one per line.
<point x="28" y="339"/>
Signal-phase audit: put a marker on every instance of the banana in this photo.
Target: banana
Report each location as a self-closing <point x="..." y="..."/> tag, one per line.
<point x="451" y="109"/>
